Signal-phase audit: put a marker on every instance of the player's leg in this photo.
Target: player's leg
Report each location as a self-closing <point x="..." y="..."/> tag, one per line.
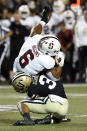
<point x="27" y="106"/>
<point x="61" y="114"/>
<point x="59" y="111"/>
<point x="43" y="106"/>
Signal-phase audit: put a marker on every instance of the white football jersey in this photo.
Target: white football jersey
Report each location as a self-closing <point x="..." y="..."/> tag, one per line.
<point x="52" y="26"/>
<point x="30" y="60"/>
<point x="30" y="21"/>
<point x="71" y="25"/>
<point x="81" y="33"/>
<point x="4" y="29"/>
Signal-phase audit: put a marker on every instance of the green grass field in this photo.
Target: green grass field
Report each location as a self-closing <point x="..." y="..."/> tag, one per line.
<point x="77" y="97"/>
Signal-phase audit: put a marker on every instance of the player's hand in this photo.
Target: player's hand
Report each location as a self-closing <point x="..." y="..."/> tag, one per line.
<point x="45" y="13"/>
<point x="60" y="59"/>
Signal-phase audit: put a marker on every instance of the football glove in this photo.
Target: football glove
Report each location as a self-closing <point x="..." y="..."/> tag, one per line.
<point x="60" y="59"/>
<point x="45" y="13"/>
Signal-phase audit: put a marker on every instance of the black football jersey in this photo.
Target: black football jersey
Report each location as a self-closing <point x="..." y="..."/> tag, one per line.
<point x="44" y="86"/>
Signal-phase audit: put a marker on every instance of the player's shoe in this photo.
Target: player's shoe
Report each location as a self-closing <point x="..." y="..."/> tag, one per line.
<point x="24" y="123"/>
<point x="51" y="120"/>
<point x="46" y="120"/>
<point x="55" y="120"/>
<point x="65" y="120"/>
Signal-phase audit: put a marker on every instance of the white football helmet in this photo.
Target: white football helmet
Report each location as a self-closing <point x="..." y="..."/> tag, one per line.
<point x="69" y="16"/>
<point x="21" y="82"/>
<point x="31" y="4"/>
<point x="24" y="11"/>
<point x="58" y="7"/>
<point x="49" y="44"/>
<point x="77" y="10"/>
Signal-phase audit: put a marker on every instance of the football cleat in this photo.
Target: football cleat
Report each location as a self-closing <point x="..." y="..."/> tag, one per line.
<point x="51" y="120"/>
<point x="46" y="120"/>
<point x="65" y="120"/>
<point x="24" y="123"/>
<point x="56" y="120"/>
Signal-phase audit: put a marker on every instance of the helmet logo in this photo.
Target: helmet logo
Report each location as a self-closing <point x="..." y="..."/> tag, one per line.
<point x="51" y="45"/>
<point x="20" y="84"/>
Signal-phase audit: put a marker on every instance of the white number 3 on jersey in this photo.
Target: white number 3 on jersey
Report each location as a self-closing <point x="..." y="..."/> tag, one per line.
<point x="42" y="82"/>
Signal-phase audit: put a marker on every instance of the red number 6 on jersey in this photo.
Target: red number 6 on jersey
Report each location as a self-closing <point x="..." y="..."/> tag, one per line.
<point x="24" y="60"/>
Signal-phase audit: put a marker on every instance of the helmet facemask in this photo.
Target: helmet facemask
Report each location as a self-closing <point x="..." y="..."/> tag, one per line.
<point x="69" y="17"/>
<point x="24" y="11"/>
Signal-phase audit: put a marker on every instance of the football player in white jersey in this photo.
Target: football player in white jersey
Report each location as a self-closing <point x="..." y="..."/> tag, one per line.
<point x="28" y="16"/>
<point x="37" y="53"/>
<point x="55" y="18"/>
<point x="24" y="13"/>
<point x="69" y="19"/>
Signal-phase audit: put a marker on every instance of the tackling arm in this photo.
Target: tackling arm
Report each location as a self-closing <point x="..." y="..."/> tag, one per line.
<point x="44" y="19"/>
<point x="56" y="72"/>
<point x="36" y="30"/>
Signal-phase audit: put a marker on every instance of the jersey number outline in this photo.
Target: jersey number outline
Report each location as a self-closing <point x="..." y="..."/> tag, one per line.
<point x="23" y="60"/>
<point x="43" y="80"/>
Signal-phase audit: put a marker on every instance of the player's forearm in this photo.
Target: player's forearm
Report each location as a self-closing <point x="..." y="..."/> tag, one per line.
<point x="44" y="19"/>
<point x="36" y="30"/>
<point x="56" y="72"/>
<point x="8" y="35"/>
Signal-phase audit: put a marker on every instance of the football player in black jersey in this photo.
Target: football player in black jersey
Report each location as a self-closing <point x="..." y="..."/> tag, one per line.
<point x="54" y="100"/>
